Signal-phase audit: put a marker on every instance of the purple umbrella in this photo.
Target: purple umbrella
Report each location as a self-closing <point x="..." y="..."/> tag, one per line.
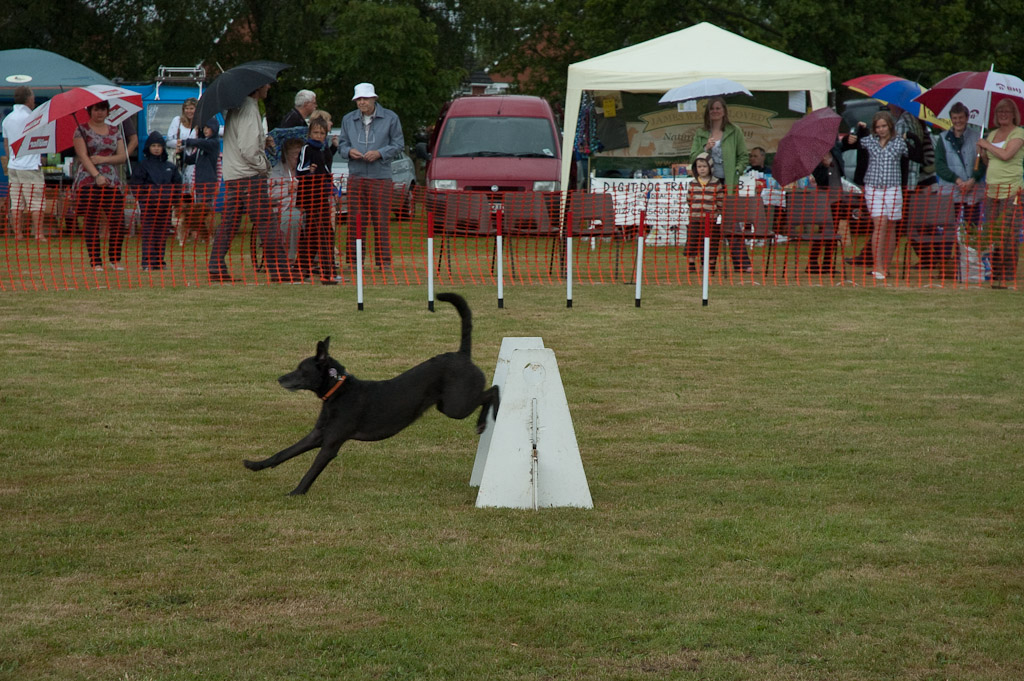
<point x="806" y="143"/>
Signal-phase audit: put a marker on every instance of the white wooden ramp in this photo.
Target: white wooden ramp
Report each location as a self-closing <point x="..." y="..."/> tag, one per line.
<point x="529" y="457"/>
<point x="508" y="344"/>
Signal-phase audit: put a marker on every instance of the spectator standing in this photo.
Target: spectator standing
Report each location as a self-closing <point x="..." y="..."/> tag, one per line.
<point x="724" y="143"/>
<point x="955" y="160"/>
<point x="207" y="173"/>
<point x="24" y="175"/>
<point x="283" y="189"/>
<point x="706" y="197"/>
<point x="131" y="145"/>
<point x="156" y="183"/>
<point x="305" y="105"/>
<point x="245" y="170"/>
<point x="882" y="186"/>
<point x="100" y="151"/>
<point x="326" y="117"/>
<point x="828" y="176"/>
<point x="756" y="161"/>
<point x="316" y="240"/>
<point x="182" y="129"/>
<point x="918" y="168"/>
<point x="371" y="137"/>
<point x="1004" y="147"/>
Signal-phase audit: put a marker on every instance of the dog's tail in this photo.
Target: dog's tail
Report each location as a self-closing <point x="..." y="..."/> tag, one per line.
<point x="467" y="319"/>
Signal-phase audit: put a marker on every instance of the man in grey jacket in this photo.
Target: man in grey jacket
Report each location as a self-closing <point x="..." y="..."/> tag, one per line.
<point x="371" y="137"/>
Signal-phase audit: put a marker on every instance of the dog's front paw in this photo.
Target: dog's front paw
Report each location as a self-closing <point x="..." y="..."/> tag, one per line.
<point x="253" y="465"/>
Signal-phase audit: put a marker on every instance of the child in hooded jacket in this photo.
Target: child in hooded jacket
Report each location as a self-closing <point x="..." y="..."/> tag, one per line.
<point x="156" y="184"/>
<point x="316" y="240"/>
<point x="207" y="177"/>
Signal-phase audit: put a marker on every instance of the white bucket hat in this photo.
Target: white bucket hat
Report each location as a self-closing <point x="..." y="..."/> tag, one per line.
<point x="364" y="90"/>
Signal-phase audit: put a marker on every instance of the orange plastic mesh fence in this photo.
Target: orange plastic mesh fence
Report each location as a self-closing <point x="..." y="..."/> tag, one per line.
<point x="55" y="239"/>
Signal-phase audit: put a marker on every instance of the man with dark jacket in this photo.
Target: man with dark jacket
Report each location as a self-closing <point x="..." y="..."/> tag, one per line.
<point x="828" y="177"/>
<point x="305" y="105"/>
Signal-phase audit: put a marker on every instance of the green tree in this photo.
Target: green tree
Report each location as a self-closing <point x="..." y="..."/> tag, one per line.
<point x="334" y="44"/>
<point x="118" y="38"/>
<point x="923" y="40"/>
<point x="73" y="29"/>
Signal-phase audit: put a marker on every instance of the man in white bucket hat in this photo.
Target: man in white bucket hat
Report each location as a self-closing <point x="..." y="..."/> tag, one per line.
<point x="371" y="137"/>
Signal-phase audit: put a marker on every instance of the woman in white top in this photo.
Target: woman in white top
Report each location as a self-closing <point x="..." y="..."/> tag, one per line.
<point x="181" y="129"/>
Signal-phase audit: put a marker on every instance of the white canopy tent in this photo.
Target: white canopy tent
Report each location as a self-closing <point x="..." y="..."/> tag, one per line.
<point x="700" y="51"/>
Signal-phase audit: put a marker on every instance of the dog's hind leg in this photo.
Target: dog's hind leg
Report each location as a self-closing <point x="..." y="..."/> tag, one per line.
<point x="311" y="441"/>
<point x="326" y="455"/>
<point x="490" y="399"/>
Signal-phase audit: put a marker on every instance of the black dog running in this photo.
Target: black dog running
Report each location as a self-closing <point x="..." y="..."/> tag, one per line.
<point x="374" y="410"/>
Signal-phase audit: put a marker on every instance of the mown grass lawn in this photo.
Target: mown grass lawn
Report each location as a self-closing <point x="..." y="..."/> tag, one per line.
<point x="789" y="484"/>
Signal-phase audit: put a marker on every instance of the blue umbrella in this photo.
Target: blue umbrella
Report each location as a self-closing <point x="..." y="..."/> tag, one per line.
<point x="897" y="92"/>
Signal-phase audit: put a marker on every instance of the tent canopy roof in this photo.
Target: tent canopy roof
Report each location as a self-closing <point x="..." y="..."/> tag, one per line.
<point x="668" y="61"/>
<point x="47" y="73"/>
<point x="685" y="56"/>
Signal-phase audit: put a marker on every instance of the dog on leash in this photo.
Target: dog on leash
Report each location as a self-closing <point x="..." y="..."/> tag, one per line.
<point x="354" y="409"/>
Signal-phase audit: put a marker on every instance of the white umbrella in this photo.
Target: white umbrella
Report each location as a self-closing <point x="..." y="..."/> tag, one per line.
<point x="979" y="91"/>
<point x="702" y="89"/>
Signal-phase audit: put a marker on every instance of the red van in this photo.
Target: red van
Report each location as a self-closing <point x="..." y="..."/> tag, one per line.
<point x="496" y="143"/>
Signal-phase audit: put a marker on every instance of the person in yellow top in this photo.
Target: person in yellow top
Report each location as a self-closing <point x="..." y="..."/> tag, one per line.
<point x="1004" y="150"/>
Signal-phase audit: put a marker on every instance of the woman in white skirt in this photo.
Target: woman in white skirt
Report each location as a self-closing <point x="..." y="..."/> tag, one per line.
<point x="883" y="192"/>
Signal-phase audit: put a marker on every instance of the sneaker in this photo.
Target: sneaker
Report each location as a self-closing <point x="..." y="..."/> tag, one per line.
<point x="97" y="268"/>
<point x="878" y="275"/>
<point x="116" y="266"/>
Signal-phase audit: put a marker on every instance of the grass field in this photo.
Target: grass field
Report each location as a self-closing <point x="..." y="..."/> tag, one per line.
<point x="810" y="483"/>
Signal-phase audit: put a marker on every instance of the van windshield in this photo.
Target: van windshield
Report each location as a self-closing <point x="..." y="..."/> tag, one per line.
<point x="497" y="136"/>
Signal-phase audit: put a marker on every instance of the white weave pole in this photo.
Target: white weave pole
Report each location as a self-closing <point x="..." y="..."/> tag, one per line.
<point x="640" y="256"/>
<point x="499" y="254"/>
<point x="568" y="260"/>
<point x="707" y="254"/>
<point x="430" y="262"/>
<point x="359" y="261"/>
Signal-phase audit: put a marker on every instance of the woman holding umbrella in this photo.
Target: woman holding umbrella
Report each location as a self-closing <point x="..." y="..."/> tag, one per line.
<point x="1004" y="148"/>
<point x="728" y="150"/>
<point x="99" y="149"/>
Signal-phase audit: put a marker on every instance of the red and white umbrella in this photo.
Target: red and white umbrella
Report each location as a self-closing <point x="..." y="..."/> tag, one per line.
<point x="51" y="127"/>
<point x="979" y="91"/>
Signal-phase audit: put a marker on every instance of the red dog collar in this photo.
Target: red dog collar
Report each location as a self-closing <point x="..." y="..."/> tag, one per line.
<point x="334" y="387"/>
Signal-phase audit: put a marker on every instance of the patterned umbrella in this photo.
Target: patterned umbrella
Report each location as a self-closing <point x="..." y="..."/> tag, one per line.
<point x="802" y="148"/>
<point x="979" y="91"/>
<point x="898" y="92"/>
<point x="51" y="127"/>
